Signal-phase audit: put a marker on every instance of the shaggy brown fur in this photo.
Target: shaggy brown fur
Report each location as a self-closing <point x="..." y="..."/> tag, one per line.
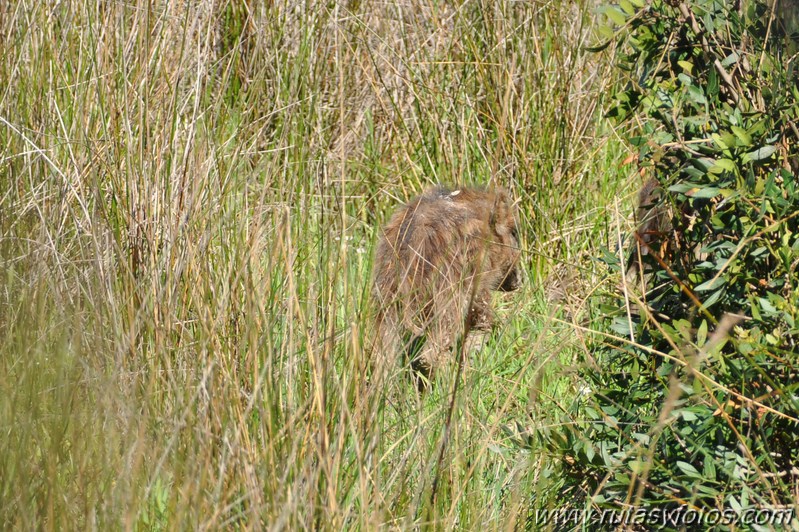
<point x="652" y="217"/>
<point x="658" y="231"/>
<point x="437" y="261"/>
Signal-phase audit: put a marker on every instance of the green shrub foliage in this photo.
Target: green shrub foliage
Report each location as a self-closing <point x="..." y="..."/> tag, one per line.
<point x="699" y="404"/>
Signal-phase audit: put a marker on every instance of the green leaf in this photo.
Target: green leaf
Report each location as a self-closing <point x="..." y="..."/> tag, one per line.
<point x="599" y="47"/>
<point x="755" y="313"/>
<point x="697" y="94"/>
<point x="709" y="473"/>
<point x="589" y="452"/>
<point x="607" y="32"/>
<point x="617" y="16"/>
<point x="703" y="163"/>
<point x="743" y="136"/>
<point x="693" y="172"/>
<point x="734" y="504"/>
<point x="722" y="141"/>
<point x="715" y="296"/>
<point x="710" y="284"/>
<point x="707" y="192"/>
<point x="730" y="60"/>
<point x="637" y="466"/>
<point x="688" y="469"/>
<point x="766" y="305"/>
<point x="701" y="334"/>
<point x="682" y="188"/>
<point x="621" y="325"/>
<point x="723" y="165"/>
<point x="761" y="153"/>
<point x="687" y="415"/>
<point x="627" y="7"/>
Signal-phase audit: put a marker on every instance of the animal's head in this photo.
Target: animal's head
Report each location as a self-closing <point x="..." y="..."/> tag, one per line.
<point x="504" y="251"/>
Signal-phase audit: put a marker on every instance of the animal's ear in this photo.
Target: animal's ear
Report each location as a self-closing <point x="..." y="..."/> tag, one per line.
<point x="499" y="209"/>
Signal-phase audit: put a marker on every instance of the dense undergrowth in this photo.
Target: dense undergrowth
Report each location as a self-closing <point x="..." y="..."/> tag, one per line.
<point x="189" y="198"/>
<point x="190" y="194"/>
<point x="697" y="407"/>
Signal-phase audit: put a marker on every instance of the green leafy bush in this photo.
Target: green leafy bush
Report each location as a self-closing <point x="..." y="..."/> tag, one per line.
<point x="698" y="404"/>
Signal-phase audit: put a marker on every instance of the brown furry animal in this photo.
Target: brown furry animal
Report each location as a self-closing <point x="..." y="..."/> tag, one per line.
<point x="653" y="218"/>
<point x="437" y="261"/>
<point x="653" y="221"/>
<point x="659" y="231"/>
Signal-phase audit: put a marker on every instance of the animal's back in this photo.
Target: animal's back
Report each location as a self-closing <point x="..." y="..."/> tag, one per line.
<point x="421" y="241"/>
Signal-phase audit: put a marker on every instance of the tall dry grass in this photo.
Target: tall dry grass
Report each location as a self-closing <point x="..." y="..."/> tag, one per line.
<point x="189" y="197"/>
